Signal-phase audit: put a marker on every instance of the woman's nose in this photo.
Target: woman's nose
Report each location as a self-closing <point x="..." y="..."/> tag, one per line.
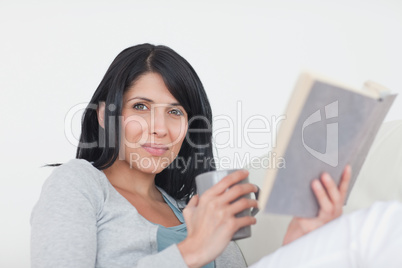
<point x="158" y="123"/>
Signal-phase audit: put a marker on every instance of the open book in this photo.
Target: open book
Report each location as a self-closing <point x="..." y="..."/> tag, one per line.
<point x="327" y="126"/>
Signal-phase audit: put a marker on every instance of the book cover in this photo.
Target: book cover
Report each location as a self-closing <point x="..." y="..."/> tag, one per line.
<point x="327" y="126"/>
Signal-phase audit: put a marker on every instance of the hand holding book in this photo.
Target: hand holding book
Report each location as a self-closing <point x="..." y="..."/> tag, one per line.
<point x="328" y="125"/>
<point x="330" y="198"/>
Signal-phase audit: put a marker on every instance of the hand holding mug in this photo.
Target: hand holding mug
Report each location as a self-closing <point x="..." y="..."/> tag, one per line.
<point x="211" y="217"/>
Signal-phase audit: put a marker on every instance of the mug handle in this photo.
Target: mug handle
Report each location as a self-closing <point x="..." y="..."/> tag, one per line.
<point x="254" y="211"/>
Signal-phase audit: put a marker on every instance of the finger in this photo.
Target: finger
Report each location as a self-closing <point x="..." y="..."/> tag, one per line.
<point x="242" y="204"/>
<point x="238" y="191"/>
<point x="332" y="189"/>
<point x="344" y="185"/>
<point x="322" y="197"/>
<point x="237" y="223"/>
<point x="226" y="182"/>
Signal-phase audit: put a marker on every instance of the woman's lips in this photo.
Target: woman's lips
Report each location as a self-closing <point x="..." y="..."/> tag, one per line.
<point x="155" y="149"/>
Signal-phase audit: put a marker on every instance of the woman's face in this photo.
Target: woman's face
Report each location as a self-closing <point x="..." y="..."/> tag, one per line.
<point x="154" y="125"/>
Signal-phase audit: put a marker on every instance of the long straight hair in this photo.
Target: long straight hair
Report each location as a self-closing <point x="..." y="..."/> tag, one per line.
<point x="101" y="146"/>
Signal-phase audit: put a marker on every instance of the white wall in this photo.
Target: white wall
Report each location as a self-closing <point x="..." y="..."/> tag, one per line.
<point x="54" y="54"/>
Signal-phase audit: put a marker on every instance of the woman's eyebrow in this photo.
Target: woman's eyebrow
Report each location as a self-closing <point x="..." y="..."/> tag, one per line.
<point x="140" y="98"/>
<point x="149" y="100"/>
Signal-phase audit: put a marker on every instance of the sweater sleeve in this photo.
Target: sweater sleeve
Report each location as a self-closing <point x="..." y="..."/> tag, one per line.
<point x="64" y="223"/>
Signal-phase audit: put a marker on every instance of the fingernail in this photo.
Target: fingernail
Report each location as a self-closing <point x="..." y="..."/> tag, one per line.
<point x="317" y="184"/>
<point x="326" y="177"/>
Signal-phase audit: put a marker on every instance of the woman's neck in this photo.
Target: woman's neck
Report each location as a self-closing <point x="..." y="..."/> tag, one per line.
<point x="132" y="180"/>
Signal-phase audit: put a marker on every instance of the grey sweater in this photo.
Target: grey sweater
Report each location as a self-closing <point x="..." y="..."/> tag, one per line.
<point x="80" y="220"/>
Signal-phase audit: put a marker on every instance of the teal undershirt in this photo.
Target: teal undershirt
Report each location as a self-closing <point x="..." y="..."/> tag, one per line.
<point x="167" y="236"/>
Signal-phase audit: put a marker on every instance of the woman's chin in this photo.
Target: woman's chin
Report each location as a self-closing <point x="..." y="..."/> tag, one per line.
<point x="149" y="169"/>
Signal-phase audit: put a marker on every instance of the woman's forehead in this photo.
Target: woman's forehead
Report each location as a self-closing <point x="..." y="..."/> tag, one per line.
<point x="152" y="87"/>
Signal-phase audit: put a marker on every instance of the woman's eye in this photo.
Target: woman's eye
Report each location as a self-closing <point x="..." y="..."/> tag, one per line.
<point x="176" y="112"/>
<point x="140" y="106"/>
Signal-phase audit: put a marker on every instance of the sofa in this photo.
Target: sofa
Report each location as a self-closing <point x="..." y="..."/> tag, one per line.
<point x="380" y="179"/>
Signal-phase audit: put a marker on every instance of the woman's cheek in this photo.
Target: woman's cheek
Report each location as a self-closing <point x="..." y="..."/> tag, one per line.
<point x="179" y="132"/>
<point x="135" y="132"/>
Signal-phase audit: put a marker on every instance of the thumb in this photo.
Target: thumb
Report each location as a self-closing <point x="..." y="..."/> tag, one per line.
<point x="193" y="202"/>
<point x="188" y="210"/>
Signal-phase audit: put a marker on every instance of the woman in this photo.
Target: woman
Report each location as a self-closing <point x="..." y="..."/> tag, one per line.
<point x="120" y="202"/>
